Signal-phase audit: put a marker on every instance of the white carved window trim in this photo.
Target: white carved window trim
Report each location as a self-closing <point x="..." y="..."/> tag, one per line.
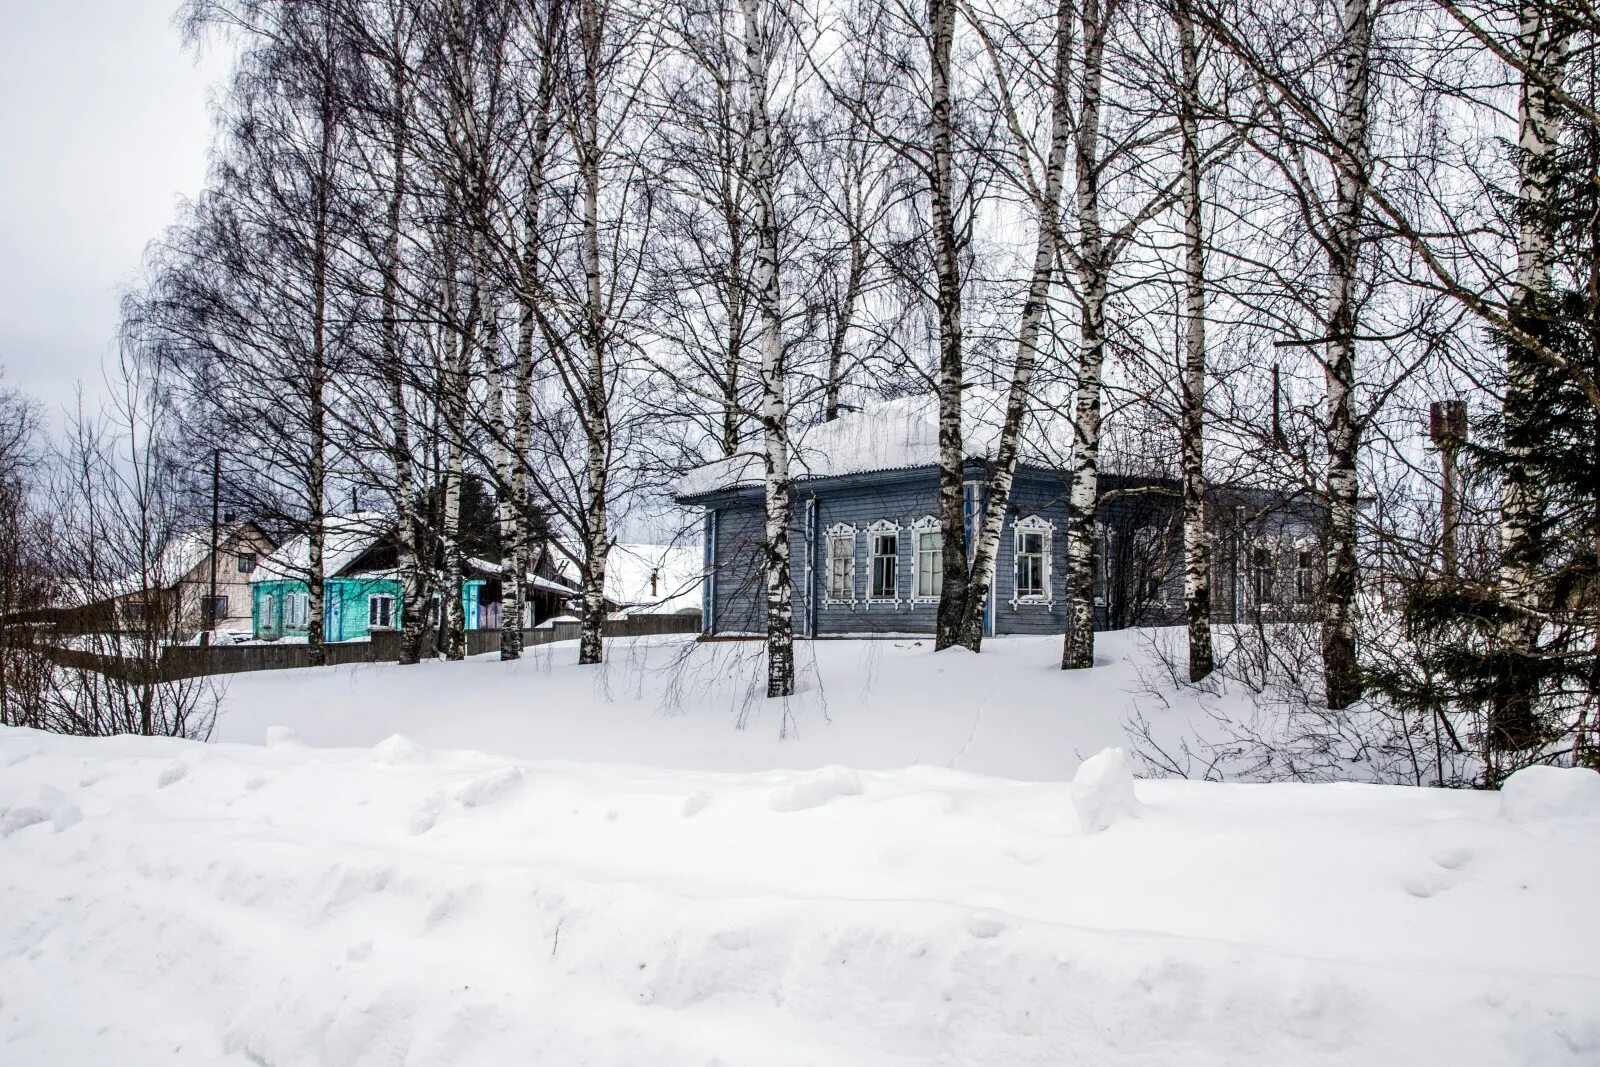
<point x="840" y="529"/>
<point x="923" y="526"/>
<point x="1033" y="524"/>
<point x="883" y="528"/>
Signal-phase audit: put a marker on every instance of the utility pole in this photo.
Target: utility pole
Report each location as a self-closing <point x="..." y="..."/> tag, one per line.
<point x="210" y="613"/>
<point x="1447" y="426"/>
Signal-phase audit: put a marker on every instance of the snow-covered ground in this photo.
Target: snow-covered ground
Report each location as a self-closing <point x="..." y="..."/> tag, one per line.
<point x="649" y="890"/>
<point x="676" y="703"/>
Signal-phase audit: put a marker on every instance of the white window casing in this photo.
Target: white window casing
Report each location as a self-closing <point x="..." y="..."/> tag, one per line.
<point x="380" y="610"/>
<point x="1031" y="568"/>
<point x="927" y="560"/>
<point x="883" y="567"/>
<point x="841" y="578"/>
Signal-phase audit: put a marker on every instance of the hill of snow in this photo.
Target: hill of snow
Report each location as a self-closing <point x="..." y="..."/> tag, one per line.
<point x="631" y="878"/>
<point x="173" y="903"/>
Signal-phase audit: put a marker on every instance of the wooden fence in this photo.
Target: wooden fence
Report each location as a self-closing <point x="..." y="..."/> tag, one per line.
<point x="194" y="661"/>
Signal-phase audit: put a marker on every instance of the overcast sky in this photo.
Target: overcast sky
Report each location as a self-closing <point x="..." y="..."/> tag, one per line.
<point x="104" y="131"/>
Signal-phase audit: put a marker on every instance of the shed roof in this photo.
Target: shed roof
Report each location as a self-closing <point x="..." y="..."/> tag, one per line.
<point x="346" y="538"/>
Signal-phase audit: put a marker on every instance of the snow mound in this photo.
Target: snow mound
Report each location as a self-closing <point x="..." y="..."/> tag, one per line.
<point x="50" y="806"/>
<point x="20" y="818"/>
<point x="1102" y="791"/>
<point x="1535" y="794"/>
<point x="281" y="736"/>
<point x="815" y="789"/>
<point x="212" y="924"/>
<point x="489" y="787"/>
<point x="397" y="750"/>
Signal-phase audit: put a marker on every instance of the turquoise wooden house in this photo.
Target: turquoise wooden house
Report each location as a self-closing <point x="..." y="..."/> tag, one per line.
<point x="361" y="592"/>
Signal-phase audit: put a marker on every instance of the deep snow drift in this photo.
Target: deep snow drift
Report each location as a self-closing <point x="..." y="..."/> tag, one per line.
<point x="167" y="902"/>
<point x="672" y="702"/>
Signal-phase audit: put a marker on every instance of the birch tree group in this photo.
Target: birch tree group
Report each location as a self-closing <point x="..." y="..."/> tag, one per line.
<point x="569" y="249"/>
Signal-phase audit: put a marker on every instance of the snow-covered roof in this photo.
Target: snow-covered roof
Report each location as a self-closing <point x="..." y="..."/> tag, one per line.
<point x="677" y="572"/>
<point x="537" y="581"/>
<point x="184" y="551"/>
<point x="346" y="538"/>
<point x="894" y="435"/>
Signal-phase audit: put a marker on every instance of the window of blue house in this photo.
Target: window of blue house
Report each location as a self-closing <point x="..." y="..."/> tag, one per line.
<point x="927" y="580"/>
<point x="883" y="543"/>
<point x="1031" y="566"/>
<point x="842" y="562"/>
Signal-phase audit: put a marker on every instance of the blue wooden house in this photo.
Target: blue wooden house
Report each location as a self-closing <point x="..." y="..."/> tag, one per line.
<point x="866" y="551"/>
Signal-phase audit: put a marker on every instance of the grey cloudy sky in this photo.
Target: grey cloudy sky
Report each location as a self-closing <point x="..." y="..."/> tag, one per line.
<point x="104" y="125"/>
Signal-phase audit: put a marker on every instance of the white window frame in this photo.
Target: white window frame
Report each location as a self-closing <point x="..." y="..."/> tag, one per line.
<point x="1033" y="524"/>
<point x="883" y="528"/>
<point x="269" y="619"/>
<point x="372" y="600"/>
<point x="297" y="611"/>
<point x="1301" y="546"/>
<point x="920" y="529"/>
<point x="840" y="530"/>
<point x="1269" y="594"/>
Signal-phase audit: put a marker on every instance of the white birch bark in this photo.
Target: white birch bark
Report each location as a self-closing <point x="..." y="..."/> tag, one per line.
<point x="452" y="630"/>
<point x="1543" y="48"/>
<point x="596" y="414"/>
<point x="1090" y="264"/>
<point x="1196" y="547"/>
<point x="413" y="588"/>
<point x="952" y="454"/>
<point x="316" y="416"/>
<point x="1341" y="673"/>
<point x="774" y="408"/>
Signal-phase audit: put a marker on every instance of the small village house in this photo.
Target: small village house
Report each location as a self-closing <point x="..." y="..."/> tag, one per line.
<point x="362" y="590"/>
<point x="172" y="594"/>
<point x="867" y="556"/>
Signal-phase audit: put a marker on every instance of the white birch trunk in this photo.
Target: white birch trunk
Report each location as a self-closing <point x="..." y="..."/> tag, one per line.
<point x="947" y="265"/>
<point x="1513" y="715"/>
<point x="1083" y="497"/>
<point x="597" y="426"/>
<point x="1341" y="673"/>
<point x="774" y="409"/>
<point x="316" y="415"/>
<point x="1196" y="547"/>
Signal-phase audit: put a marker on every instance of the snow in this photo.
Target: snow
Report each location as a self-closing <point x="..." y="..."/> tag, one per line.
<point x="1102" y="791"/>
<point x="815" y="789"/>
<point x="894" y="435"/>
<point x="484" y="566"/>
<point x="346" y="538"/>
<point x="1537" y="794"/>
<point x="677" y="703"/>
<point x="925" y="859"/>
<point x="678" y="572"/>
